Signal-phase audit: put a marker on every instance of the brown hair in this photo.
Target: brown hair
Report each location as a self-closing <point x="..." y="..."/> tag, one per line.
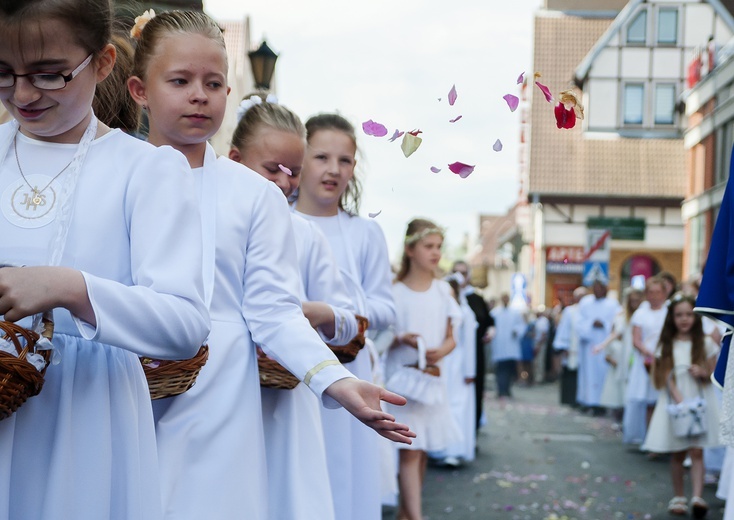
<point x="176" y="22"/>
<point x="664" y="364"/>
<point x="271" y="115"/>
<point x="415" y="227"/>
<point x="351" y="198"/>
<point x="112" y="104"/>
<point x="89" y="21"/>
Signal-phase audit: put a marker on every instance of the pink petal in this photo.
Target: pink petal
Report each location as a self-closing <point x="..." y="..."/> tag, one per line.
<point x="435" y="170"/>
<point x="461" y="169"/>
<point x="372" y="128"/>
<point x="397" y="134"/>
<point x="285" y="170"/>
<point x="546" y="92"/>
<point x="497" y="146"/>
<point x="452" y="95"/>
<point x="521" y="78"/>
<point x="454" y="120"/>
<point x="512" y="101"/>
<point x="373" y="215"/>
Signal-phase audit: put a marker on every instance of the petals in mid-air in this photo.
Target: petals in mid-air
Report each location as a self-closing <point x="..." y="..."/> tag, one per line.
<point x="415" y="132"/>
<point x="285" y="170"/>
<point x="461" y="169"/>
<point x="373" y="215"/>
<point x="497" y="147"/>
<point x="512" y="101"/>
<point x="372" y="128"/>
<point x="410" y="144"/>
<point x="452" y="95"/>
<point x="565" y="118"/>
<point x="546" y="92"/>
<point x="454" y="120"/>
<point x="571" y="101"/>
<point x="521" y="78"/>
<point x="397" y="134"/>
<point x="435" y="170"/>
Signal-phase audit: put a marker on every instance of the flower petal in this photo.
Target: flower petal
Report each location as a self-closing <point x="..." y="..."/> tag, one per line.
<point x="410" y="144"/>
<point x="452" y="95"/>
<point x="461" y="169"/>
<point x="512" y="101"/>
<point x="454" y="120"/>
<point x="546" y="92"/>
<point x="373" y="215"/>
<point x="565" y="118"/>
<point x="521" y="78"/>
<point x="497" y="147"/>
<point x="397" y="134"/>
<point x="435" y="170"/>
<point x="372" y="128"/>
<point x="285" y="170"/>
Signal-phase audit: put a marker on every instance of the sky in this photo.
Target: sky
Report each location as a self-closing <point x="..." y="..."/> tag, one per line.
<point x="390" y="62"/>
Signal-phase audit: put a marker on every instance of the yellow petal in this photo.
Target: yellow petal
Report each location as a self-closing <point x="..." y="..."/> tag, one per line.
<point x="410" y="144"/>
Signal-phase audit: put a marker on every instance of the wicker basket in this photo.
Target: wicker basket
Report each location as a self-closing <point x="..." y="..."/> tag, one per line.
<point x="169" y="378"/>
<point x="20" y="380"/>
<point x="273" y="374"/>
<point x="348" y="353"/>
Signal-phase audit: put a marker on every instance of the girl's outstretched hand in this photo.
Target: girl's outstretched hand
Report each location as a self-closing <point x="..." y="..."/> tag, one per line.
<point x="362" y="400"/>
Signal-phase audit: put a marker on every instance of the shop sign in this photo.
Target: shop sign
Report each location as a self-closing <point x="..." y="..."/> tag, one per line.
<point x="564" y="260"/>
<point x="621" y="228"/>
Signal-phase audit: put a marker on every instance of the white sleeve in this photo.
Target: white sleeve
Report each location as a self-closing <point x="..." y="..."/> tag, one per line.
<point x="161" y="312"/>
<point x="270" y="305"/>
<point x="325" y="284"/>
<point x="376" y="278"/>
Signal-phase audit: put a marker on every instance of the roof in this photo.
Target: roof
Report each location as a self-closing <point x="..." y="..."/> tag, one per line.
<point x="568" y="162"/>
<point x="621" y="20"/>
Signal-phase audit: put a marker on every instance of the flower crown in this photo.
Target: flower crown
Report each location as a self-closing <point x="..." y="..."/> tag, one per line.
<point x="247" y="104"/>
<point x="140" y="23"/>
<point x="423" y="233"/>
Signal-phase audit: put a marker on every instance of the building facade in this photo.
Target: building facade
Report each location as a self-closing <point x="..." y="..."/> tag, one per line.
<point x="623" y="170"/>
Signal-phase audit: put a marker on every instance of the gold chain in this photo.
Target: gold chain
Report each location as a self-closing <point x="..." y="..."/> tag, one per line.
<point x="36" y="192"/>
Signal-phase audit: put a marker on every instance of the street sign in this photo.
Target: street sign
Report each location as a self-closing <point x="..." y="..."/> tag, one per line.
<point x="596" y="271"/>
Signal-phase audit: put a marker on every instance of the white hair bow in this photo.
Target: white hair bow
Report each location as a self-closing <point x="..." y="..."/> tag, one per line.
<point x="247" y="104"/>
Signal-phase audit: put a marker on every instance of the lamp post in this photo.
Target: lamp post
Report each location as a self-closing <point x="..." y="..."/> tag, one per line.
<point x="262" y="62"/>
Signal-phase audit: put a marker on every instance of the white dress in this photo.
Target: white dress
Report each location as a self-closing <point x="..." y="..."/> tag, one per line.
<point x="459" y="365"/>
<point x="592" y="367"/>
<point x="210" y="439"/>
<point x="84" y="448"/>
<point x="352" y="449"/>
<point x="660" y="438"/>
<point x="426" y="314"/>
<point x="294" y="439"/>
<point x="612" y="394"/>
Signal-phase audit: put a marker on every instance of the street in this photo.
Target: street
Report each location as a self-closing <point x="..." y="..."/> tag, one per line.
<point x="539" y="460"/>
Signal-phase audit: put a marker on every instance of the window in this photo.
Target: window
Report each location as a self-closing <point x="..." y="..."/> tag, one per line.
<point x="637" y="29"/>
<point x="668" y="26"/>
<point x="634" y="94"/>
<point x="725" y="140"/>
<point x="664" y="104"/>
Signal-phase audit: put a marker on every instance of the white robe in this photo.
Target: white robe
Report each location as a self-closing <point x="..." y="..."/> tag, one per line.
<point x="459" y="365"/>
<point x="84" y="448"/>
<point x="592" y="367"/>
<point x="510" y="327"/>
<point x="352" y="449"/>
<point x="294" y="439"/>
<point x="210" y="439"/>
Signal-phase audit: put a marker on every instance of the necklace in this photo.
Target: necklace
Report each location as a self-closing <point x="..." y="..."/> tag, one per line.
<point x="37" y="199"/>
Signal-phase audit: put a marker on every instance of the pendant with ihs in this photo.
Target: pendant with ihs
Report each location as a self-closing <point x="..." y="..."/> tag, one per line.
<point x="36" y="198"/>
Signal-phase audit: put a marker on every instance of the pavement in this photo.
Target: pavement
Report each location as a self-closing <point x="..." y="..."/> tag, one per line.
<point x="540" y="460"/>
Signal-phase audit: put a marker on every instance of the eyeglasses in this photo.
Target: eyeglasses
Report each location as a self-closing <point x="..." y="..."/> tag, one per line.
<point x="44" y="80"/>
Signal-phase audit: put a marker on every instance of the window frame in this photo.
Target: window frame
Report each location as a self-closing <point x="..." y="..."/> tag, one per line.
<point x="655" y="103"/>
<point x="643" y="41"/>
<point x="673" y="10"/>
<point x="625" y="86"/>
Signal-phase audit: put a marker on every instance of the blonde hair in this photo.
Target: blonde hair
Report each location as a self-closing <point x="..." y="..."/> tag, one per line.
<point x="271" y="115"/>
<point x="418" y="228"/>
<point x="172" y="22"/>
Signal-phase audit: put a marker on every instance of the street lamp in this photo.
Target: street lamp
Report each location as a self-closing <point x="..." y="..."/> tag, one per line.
<point x="263" y="65"/>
